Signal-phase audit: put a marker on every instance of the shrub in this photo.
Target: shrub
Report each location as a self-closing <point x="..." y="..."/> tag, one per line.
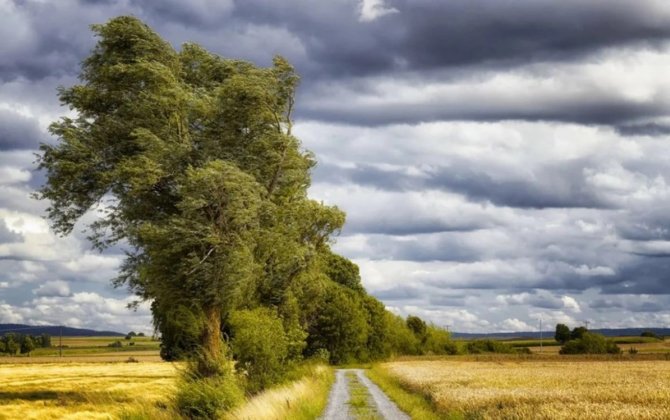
<point x="259" y="345"/>
<point x="578" y="332"/>
<point x="632" y="350"/>
<point x="321" y="355"/>
<point x="590" y="343"/>
<point x="208" y="398"/>
<point x="116" y="344"/>
<point x="488" y="346"/>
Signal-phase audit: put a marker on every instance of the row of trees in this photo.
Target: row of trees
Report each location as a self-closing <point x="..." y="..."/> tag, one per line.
<point x="12" y="343"/>
<point x="191" y="162"/>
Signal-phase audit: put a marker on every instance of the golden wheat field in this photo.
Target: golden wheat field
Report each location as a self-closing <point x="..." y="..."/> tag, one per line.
<point x="542" y="389"/>
<point x="82" y="390"/>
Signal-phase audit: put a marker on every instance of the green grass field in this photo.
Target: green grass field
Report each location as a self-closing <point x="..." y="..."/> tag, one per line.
<point x="82" y="349"/>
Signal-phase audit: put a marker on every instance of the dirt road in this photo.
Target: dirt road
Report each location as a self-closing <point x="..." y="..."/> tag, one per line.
<point x="354" y="395"/>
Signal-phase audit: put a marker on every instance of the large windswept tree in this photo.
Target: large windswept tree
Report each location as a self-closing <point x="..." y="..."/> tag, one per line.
<point x="190" y="160"/>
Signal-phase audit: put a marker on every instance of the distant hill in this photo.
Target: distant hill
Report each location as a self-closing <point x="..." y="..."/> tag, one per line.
<point x="54" y="330"/>
<point x="610" y="332"/>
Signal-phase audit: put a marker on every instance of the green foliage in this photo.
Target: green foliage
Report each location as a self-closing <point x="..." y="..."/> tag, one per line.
<point x="651" y="334"/>
<point x="339" y="326"/>
<point x="438" y="341"/>
<point x="342" y="271"/>
<point x="27" y="345"/>
<point x="116" y="344"/>
<point x="260" y="346"/>
<point x="590" y="343"/>
<point x="562" y="334"/>
<point x="400" y="339"/>
<point x="417" y="326"/>
<point x="208" y="398"/>
<point x="378" y="328"/>
<point x="488" y="346"/>
<point x="180" y="328"/>
<point x="11" y="343"/>
<point x="194" y="158"/>
<point x="578" y="332"/>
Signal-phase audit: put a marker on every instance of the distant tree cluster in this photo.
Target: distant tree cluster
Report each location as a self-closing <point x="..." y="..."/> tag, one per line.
<point x="651" y="334"/>
<point x="13" y="343"/>
<point x="581" y="341"/>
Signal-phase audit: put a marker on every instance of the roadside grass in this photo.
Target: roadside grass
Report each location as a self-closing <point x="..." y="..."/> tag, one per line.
<point x="304" y="398"/>
<point x="417" y="404"/>
<point x="360" y="404"/>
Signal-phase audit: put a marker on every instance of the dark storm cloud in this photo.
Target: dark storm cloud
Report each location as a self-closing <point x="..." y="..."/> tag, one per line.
<point x="648" y="129"/>
<point x="644" y="275"/>
<point x="424" y="34"/>
<point x="630" y="303"/>
<point x="590" y="107"/>
<point x="560" y="186"/>
<point x="428" y="34"/>
<point x="19" y="132"/>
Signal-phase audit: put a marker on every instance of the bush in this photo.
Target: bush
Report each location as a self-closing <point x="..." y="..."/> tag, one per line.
<point x="116" y="344"/>
<point x="321" y="355"/>
<point x="208" y="398"/>
<point x="590" y="343"/>
<point x="578" y="332"/>
<point x="260" y="346"/>
<point x="488" y="346"/>
<point x="438" y="341"/>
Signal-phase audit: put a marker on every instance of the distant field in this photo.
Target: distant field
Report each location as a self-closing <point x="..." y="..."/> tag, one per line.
<point x="82" y="390"/>
<point x="553" y="387"/>
<point x="92" y="349"/>
<point x="551" y="346"/>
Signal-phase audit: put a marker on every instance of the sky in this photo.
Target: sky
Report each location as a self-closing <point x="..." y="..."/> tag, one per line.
<point x="499" y="161"/>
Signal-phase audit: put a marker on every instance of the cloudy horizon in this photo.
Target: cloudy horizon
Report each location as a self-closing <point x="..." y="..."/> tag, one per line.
<point x="499" y="162"/>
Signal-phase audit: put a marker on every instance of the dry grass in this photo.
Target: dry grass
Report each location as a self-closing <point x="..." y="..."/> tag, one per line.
<point x="302" y="399"/>
<point x="541" y="389"/>
<point x="82" y="390"/>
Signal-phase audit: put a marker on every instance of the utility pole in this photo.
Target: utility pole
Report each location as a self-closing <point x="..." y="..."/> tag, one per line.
<point x="540" y="334"/>
<point x="60" y="342"/>
<point x="587" y="324"/>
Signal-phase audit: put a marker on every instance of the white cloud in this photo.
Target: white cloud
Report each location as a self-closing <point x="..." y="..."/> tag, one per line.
<point x="513" y="324"/>
<point x="53" y="288"/>
<point x="373" y="9"/>
<point x="571" y="304"/>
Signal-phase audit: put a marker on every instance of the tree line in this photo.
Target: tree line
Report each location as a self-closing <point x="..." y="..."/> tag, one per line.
<point x="190" y="161"/>
<point x="13" y="343"/>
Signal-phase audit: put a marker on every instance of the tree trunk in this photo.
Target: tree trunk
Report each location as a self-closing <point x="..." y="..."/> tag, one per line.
<point x="212" y="357"/>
